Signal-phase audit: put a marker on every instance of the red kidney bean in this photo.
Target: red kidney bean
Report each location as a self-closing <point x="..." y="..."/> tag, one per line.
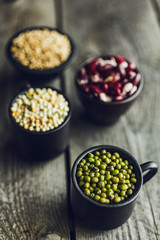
<point x="83" y="71"/>
<point x="118" y="91"/>
<point x="83" y="81"/>
<point x="109" y="78"/>
<point x="127" y="88"/>
<point x="137" y="79"/>
<point x="96" y="78"/>
<point x="132" y="75"/>
<point x="111" y="61"/>
<point x="116" y="76"/>
<point x="104" y="69"/>
<point x="118" y="85"/>
<point x="122" y="70"/>
<point x="122" y="65"/>
<point x="96" y="90"/>
<point x="84" y="76"/>
<point x="118" y="98"/>
<point x="115" y="91"/>
<point x="120" y="59"/>
<point x="134" y="89"/>
<point x="105" y="87"/>
<point x="92" y="66"/>
<point x="131" y="66"/>
<point x="125" y="80"/>
<point x="104" y="97"/>
<point x="106" y="66"/>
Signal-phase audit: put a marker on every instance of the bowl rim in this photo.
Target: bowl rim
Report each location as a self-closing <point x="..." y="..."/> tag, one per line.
<point x="66" y="120"/>
<point x="39" y="72"/>
<point x="129" y="99"/>
<point x="108" y="148"/>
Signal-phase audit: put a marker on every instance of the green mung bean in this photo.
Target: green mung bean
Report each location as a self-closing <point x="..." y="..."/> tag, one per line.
<point x="106" y="177"/>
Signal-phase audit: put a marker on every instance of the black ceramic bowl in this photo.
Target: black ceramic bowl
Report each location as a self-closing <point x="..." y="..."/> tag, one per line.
<point x="108" y="216"/>
<point x="41" y="145"/>
<point x="104" y="112"/>
<point x="35" y="75"/>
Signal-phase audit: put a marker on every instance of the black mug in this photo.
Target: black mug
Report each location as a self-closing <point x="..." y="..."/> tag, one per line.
<point x="106" y="112"/>
<point x="108" y="216"/>
<point x="41" y="145"/>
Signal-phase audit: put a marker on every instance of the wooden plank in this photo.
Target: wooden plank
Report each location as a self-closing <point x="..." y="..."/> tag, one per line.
<point x="130" y="29"/>
<point x="156" y="6"/>
<point x="33" y="199"/>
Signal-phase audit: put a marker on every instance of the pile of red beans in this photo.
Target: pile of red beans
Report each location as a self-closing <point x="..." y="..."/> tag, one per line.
<point x="109" y="79"/>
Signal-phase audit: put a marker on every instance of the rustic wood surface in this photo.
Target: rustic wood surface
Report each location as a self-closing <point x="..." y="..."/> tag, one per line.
<point x="34" y="196"/>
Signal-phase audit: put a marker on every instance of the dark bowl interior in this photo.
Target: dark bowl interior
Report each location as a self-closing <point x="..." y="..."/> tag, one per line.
<point x="34" y="74"/>
<point x="105" y="112"/>
<point x="125" y="155"/>
<point x="42" y="145"/>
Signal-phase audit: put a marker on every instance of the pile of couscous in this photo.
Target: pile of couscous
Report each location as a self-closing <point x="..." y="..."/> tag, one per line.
<point x="41" y="48"/>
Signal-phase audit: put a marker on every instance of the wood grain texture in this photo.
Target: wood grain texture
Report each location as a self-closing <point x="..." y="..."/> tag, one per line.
<point x="127" y="28"/>
<point x="33" y="195"/>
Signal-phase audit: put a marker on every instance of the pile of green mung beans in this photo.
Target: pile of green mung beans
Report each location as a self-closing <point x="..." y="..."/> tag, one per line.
<point x="106" y="177"/>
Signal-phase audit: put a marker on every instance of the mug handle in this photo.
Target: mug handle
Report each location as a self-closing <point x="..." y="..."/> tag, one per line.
<point x="152" y="169"/>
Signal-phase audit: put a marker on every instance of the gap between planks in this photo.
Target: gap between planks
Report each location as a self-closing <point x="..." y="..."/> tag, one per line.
<point x="59" y="5"/>
<point x="156" y="7"/>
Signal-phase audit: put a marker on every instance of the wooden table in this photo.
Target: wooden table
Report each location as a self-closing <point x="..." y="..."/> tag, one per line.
<point x="35" y="197"/>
